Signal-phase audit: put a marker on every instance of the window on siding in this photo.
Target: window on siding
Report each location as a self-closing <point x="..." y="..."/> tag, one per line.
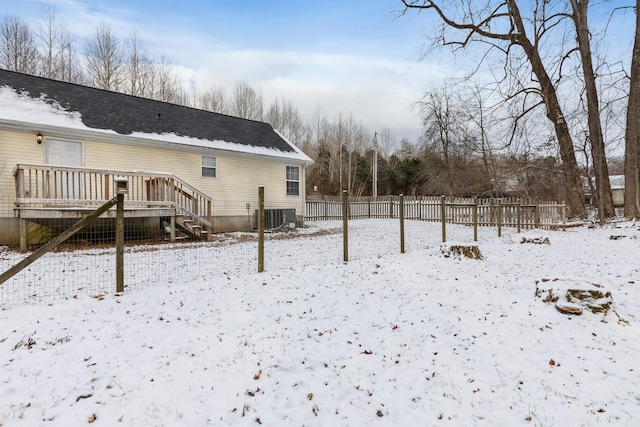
<point x="209" y="167"/>
<point x="293" y="180"/>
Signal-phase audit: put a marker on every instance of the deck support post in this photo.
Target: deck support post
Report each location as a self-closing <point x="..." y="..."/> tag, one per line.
<point x="23" y="235"/>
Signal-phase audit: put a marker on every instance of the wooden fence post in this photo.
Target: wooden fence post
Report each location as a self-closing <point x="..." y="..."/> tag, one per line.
<point x="443" y="218"/>
<point x="519" y="213"/>
<point x="120" y="242"/>
<point x="345" y="225"/>
<point x="536" y="215"/>
<point x="475" y="220"/>
<point x="260" y="229"/>
<point x="369" y="207"/>
<point x="401" y="212"/>
<point x="391" y="208"/>
<point x="499" y="217"/>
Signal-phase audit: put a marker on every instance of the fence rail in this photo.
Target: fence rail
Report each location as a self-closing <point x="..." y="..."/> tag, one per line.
<point x="508" y="212"/>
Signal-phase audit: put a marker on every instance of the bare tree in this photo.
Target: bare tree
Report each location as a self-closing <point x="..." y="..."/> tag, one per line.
<point x="338" y="138"/>
<point x="600" y="168"/>
<point x="285" y="118"/>
<point x="361" y="142"/>
<point x="50" y="35"/>
<point x="500" y="25"/>
<point x="70" y="66"/>
<point x="632" y="130"/>
<point x="246" y="102"/>
<point x="166" y="83"/>
<point x="104" y="59"/>
<point x="480" y="116"/>
<point x="214" y="99"/>
<point x="58" y="56"/>
<point x="137" y="68"/>
<point x="18" y="51"/>
<point x="443" y="129"/>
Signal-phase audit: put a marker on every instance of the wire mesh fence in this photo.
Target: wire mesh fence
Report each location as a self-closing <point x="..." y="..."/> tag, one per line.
<point x="154" y="254"/>
<point x="85" y="265"/>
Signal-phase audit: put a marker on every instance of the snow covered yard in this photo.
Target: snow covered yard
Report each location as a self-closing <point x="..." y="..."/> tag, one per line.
<point x="387" y="339"/>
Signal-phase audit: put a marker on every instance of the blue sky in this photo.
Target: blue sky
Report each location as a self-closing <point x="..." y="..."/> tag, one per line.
<point x="343" y="56"/>
<point x="349" y="56"/>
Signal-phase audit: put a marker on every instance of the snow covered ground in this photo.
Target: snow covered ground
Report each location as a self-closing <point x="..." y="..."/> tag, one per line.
<point x="387" y="339"/>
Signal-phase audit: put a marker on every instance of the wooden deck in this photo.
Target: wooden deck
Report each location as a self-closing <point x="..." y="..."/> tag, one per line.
<point x="57" y="192"/>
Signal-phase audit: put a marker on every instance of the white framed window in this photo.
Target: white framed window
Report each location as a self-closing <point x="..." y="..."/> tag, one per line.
<point x="63" y="152"/>
<point x="293" y="180"/>
<point x="209" y="167"/>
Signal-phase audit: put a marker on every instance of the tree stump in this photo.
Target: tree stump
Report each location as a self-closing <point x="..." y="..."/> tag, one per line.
<point x="472" y="251"/>
<point x="574" y="296"/>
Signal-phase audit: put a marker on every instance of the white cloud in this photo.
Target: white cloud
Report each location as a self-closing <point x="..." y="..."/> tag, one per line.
<point x="376" y="91"/>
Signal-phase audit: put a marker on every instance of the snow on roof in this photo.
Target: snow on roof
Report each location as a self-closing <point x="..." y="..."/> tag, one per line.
<point x="26" y="108"/>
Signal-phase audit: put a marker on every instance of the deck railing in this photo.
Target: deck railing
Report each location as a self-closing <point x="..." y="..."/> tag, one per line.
<point x="45" y="186"/>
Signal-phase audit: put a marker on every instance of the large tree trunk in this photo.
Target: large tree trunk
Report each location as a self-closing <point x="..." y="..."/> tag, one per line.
<point x="575" y="196"/>
<point x="600" y="168"/>
<point x="632" y="132"/>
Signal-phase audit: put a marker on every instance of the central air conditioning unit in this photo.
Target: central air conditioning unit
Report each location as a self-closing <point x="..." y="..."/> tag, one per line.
<point x="277" y="218"/>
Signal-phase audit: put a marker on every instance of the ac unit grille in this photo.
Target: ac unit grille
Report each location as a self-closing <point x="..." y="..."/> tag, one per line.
<point x="277" y="218"/>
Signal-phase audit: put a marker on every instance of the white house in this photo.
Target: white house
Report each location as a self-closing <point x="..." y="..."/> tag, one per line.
<point x="62" y="144"/>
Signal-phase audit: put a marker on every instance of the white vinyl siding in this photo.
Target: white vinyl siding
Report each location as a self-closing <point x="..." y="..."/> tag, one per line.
<point x="293" y="180"/>
<point x="230" y="191"/>
<point x="15" y="148"/>
<point x="209" y="167"/>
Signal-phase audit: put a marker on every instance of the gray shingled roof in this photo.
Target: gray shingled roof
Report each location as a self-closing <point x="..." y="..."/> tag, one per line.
<point x="125" y="114"/>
